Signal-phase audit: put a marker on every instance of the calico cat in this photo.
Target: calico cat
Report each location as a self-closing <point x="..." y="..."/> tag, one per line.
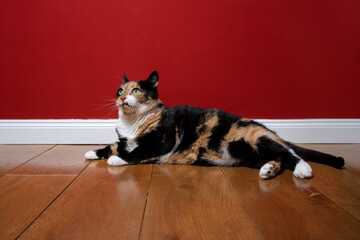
<point x="149" y="132"/>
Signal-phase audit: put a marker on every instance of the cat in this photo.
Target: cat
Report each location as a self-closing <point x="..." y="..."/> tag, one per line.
<point x="149" y="132"/>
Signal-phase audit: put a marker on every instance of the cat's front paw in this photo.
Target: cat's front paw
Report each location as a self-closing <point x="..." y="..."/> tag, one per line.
<point x="116" y="161"/>
<point x="91" y="155"/>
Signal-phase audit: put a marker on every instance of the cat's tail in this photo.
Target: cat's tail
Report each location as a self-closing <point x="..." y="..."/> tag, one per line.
<point x="317" y="157"/>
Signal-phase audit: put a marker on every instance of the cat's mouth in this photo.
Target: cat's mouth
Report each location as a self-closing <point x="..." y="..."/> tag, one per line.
<point x="126" y="106"/>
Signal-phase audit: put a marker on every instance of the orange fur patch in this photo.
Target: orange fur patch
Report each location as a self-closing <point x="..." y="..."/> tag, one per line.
<point x="150" y="160"/>
<point x="150" y="124"/>
<point x="276" y="166"/>
<point x="113" y="149"/>
<point x="191" y="154"/>
<point x="250" y="134"/>
<point x="130" y="86"/>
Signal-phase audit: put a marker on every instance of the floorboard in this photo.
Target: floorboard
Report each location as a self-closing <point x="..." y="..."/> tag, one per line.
<point x="62" y="159"/>
<point x="190" y="202"/>
<point x="12" y="156"/>
<point x="102" y="203"/>
<point x="23" y="198"/>
<point x="289" y="208"/>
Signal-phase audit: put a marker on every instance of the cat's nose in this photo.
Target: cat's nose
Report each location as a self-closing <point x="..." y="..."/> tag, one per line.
<point x="123" y="98"/>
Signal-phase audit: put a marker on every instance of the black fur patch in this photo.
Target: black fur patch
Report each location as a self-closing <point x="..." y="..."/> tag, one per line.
<point x="219" y="131"/>
<point x="271" y="150"/>
<point x="203" y="162"/>
<point x="244" y="152"/>
<point x="240" y="149"/>
<point x="186" y="119"/>
<point x="151" y="93"/>
<point x="104" y="152"/>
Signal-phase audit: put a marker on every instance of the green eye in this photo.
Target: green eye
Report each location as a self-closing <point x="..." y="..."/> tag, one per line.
<point x="136" y="91"/>
<point x="121" y="91"/>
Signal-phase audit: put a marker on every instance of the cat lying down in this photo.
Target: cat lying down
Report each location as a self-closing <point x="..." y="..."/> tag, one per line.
<point x="149" y="132"/>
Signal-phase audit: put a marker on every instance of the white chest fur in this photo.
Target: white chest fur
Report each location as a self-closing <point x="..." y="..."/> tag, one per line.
<point x="129" y="130"/>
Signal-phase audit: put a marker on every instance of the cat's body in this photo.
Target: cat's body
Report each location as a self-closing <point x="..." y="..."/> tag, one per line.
<point x="149" y="132"/>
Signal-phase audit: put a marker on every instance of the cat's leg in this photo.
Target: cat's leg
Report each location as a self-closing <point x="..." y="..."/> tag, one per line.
<point x="285" y="155"/>
<point x="148" y="151"/>
<point x="258" y="156"/>
<point x="123" y="157"/>
<point x="137" y="156"/>
<point x="113" y="152"/>
<point x="102" y="153"/>
<point x="268" y="148"/>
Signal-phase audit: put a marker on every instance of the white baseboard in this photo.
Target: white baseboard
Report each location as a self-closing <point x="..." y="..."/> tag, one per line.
<point x="57" y="131"/>
<point x="103" y="131"/>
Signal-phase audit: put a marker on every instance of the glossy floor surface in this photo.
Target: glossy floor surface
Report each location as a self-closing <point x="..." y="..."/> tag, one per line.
<point x="52" y="192"/>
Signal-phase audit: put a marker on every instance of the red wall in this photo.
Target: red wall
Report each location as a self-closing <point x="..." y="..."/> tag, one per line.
<point x="260" y="59"/>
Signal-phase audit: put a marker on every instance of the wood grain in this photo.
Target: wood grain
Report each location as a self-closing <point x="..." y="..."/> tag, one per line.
<point x="339" y="185"/>
<point x="62" y="159"/>
<point x="12" y="156"/>
<point x="23" y="198"/>
<point x="190" y="202"/>
<point x="173" y="202"/>
<point x="289" y="208"/>
<point x="103" y="203"/>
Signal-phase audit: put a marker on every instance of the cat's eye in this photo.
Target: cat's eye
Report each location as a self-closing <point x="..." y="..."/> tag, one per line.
<point x="136" y="91"/>
<point x="121" y="91"/>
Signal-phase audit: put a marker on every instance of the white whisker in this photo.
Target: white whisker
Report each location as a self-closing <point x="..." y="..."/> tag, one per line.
<point x="109" y="107"/>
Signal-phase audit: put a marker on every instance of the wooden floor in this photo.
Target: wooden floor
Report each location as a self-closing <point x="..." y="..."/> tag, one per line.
<point x="52" y="192"/>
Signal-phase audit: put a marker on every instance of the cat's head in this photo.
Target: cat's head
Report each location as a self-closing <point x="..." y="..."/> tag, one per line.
<point x="136" y="97"/>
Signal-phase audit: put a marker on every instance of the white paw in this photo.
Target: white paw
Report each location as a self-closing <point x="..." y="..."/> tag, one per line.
<point x="91" y="155"/>
<point x="303" y="170"/>
<point x="267" y="171"/>
<point x="116" y="161"/>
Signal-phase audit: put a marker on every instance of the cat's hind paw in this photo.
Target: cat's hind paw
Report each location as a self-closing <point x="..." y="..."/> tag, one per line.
<point x="302" y="170"/>
<point x="116" y="161"/>
<point x="91" y="155"/>
<point x="267" y="171"/>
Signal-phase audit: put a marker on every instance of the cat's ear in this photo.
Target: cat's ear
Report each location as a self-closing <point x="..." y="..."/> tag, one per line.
<point x="153" y="80"/>
<point x="125" y="79"/>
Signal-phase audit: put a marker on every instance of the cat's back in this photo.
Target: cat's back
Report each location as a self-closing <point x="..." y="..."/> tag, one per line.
<point x="188" y="115"/>
<point x="190" y="118"/>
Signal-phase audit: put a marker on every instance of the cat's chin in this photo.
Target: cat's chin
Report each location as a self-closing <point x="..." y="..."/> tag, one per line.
<point x="126" y="107"/>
